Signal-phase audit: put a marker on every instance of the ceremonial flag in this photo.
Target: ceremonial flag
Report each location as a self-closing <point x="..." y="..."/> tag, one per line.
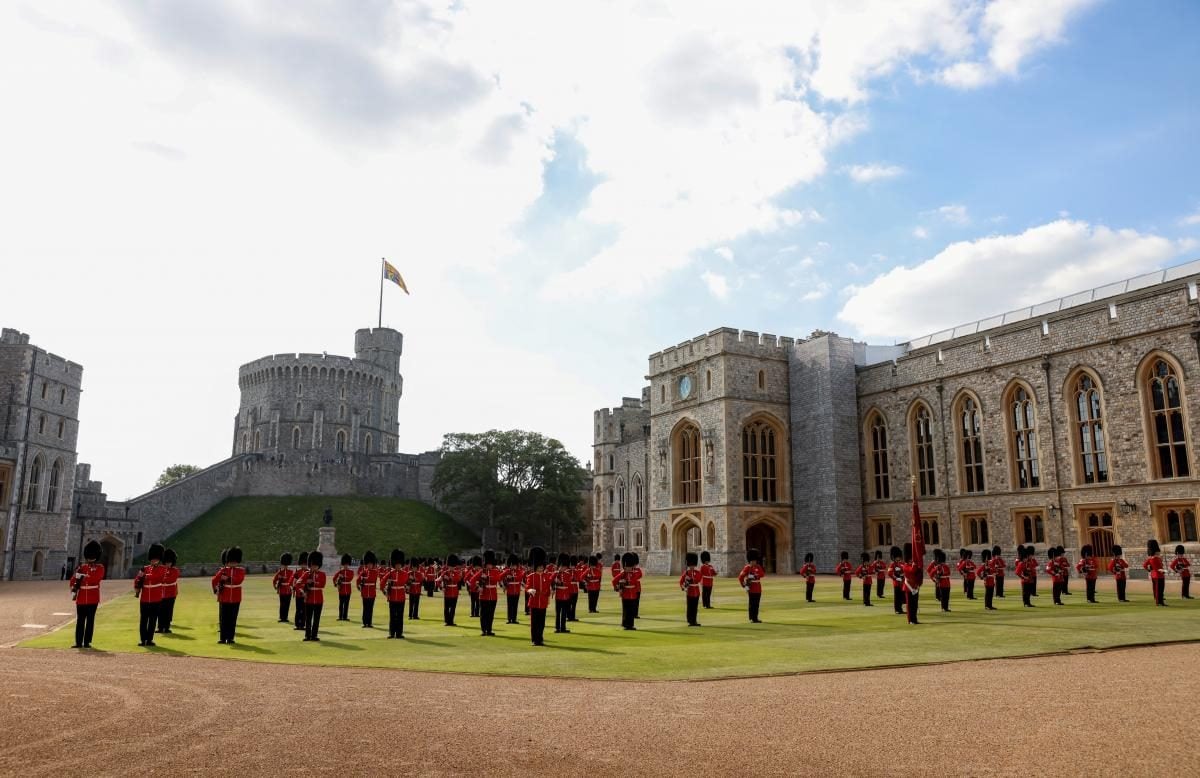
<point x="918" y="536"/>
<point x="390" y="273"/>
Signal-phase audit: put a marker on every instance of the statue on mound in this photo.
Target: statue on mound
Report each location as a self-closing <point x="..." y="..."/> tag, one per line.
<point x="328" y="516"/>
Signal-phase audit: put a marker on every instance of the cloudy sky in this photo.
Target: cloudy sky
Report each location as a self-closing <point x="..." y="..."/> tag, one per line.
<point x="567" y="187"/>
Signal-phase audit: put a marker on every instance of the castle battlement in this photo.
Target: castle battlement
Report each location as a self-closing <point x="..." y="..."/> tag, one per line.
<point x="724" y="340"/>
<point x="48" y="365"/>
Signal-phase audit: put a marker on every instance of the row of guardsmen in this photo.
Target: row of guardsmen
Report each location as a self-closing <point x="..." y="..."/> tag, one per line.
<point x="539" y="579"/>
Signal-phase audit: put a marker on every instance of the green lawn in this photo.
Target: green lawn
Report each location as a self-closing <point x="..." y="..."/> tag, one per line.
<point x="830" y="634"/>
<point x="264" y="527"/>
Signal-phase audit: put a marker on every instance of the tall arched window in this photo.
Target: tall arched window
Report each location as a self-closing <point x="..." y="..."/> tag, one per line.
<point x="245" y="442"/>
<point x="687" y="464"/>
<point x="31" y="489"/>
<point x="1163" y="399"/>
<point x="1090" y="446"/>
<point x="620" y="497"/>
<point x="370" y="441"/>
<point x="52" y="487"/>
<point x="295" y="438"/>
<point x="1181" y="526"/>
<point x="341" y="441"/>
<point x="970" y="442"/>
<point x="662" y="536"/>
<point x="39" y="561"/>
<point x="878" y="446"/>
<point x="599" y="505"/>
<point x="258" y="440"/>
<point x="922" y="438"/>
<point x="611" y="502"/>
<point x="760" y="481"/>
<point x="933" y="533"/>
<point x="639" y="505"/>
<point x="1022" y="421"/>
<point x="712" y="536"/>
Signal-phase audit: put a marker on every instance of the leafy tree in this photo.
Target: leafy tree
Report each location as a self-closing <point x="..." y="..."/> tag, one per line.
<point x="513" y="480"/>
<point x="175" y="473"/>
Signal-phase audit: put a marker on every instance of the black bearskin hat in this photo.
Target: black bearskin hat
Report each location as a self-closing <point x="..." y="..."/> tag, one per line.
<point x="752" y="555"/>
<point x="866" y="556"/>
<point x="705" y="557"/>
<point x="985" y="555"/>
<point x="369" y="558"/>
<point x="637" y="560"/>
<point x="616" y="557"/>
<point x="564" y="560"/>
<point x="908" y="552"/>
<point x="513" y="560"/>
<point x="303" y="558"/>
<point x="315" y="558"/>
<point x="234" y="555"/>
<point x="628" y="559"/>
<point x="996" y="551"/>
<point x="397" y="556"/>
<point x="878" y="554"/>
<point x="1179" y="549"/>
<point x="1085" y="551"/>
<point x="1020" y="551"/>
<point x="285" y="559"/>
<point x="691" y="559"/>
<point x="1117" y="551"/>
<point x="489" y="557"/>
<point x="845" y="555"/>
<point x="970" y="554"/>
<point x="939" y="556"/>
<point x="537" y="557"/>
<point x="92" y="551"/>
<point x="453" y="561"/>
<point x="155" y="551"/>
<point x="964" y="554"/>
<point x="170" y="557"/>
<point x="808" y="557"/>
<point x="896" y="553"/>
<point x="346" y="559"/>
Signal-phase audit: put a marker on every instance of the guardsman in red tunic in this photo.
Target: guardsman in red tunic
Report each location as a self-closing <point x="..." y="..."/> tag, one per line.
<point x="1158" y="574"/>
<point x="512" y="581"/>
<point x="537" y="594"/>
<point x="865" y="573"/>
<point x="880" y="574"/>
<point x="314" y="596"/>
<point x="166" y="611"/>
<point x="846" y="571"/>
<point x="227" y="585"/>
<point x="395" y="586"/>
<point x="809" y="571"/>
<point x="562" y="593"/>
<point x="1055" y="571"/>
<point x="896" y="573"/>
<point x="1117" y="566"/>
<point x="988" y="573"/>
<point x="429" y="576"/>
<point x="415" y="580"/>
<point x="1089" y="569"/>
<point x="593" y="579"/>
<point x="999" y="569"/>
<point x="297" y="590"/>
<point x="750" y="579"/>
<point x="708" y="577"/>
<point x="1182" y="567"/>
<point x="449" y="580"/>
<point x="281" y="582"/>
<point x="578" y="569"/>
<point x="966" y="568"/>
<point x="939" y="576"/>
<point x="85" y="591"/>
<point x="343" y="581"/>
<point x="367" y="581"/>
<point x="470" y="580"/>
<point x="912" y="584"/>
<point x="489" y="593"/>
<point x="637" y="586"/>
<point x="1027" y="571"/>
<point x="626" y="583"/>
<point x="689" y="583"/>
<point x="148" y="585"/>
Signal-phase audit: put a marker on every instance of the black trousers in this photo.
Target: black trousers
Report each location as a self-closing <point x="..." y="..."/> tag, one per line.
<point x="969" y="588"/>
<point x="898" y="598"/>
<point x="693" y="605"/>
<point x="1000" y="586"/>
<point x="343" y="607"/>
<point x="85" y="624"/>
<point x="637" y="606"/>
<point x="706" y="596"/>
<point x="428" y="588"/>
<point x="1066" y="585"/>
<point x="1033" y="589"/>
<point x="943" y="597"/>
<point x="487" y="615"/>
<point x="527" y="608"/>
<point x="227" y="615"/>
<point x="474" y="604"/>
<point x="913" y="599"/>
<point x="299" y="613"/>
<point x="396" y="619"/>
<point x="1187" y="586"/>
<point x="1091" y="589"/>
<point x="988" y="593"/>
<point x="1056" y="592"/>
<point x="845" y="589"/>
<point x="414" y="606"/>
<point x="755" y="600"/>
<point x="808" y="590"/>
<point x="879" y="588"/>
<point x="1121" y="590"/>
<point x="537" y="625"/>
<point x="285" y="604"/>
<point x="368" y="614"/>
<point x="449" y="605"/>
<point x="593" y="600"/>
<point x="149" y="621"/>
<point x="562" y="609"/>
<point x="312" y="620"/>
<point x="166" y="612"/>
<point x="1027" y="593"/>
<point x="514" y="602"/>
<point x="574" y="604"/>
<point x="1160" y="590"/>
<point x="627" y="613"/>
<point x="867" y="591"/>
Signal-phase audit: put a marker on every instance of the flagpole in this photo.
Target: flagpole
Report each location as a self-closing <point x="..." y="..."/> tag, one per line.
<point x="381" y="261"/>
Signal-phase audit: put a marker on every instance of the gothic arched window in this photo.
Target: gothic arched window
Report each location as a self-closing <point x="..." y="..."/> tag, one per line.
<point x="687" y="464"/>
<point x="1091" y="449"/>
<point x="921" y="435"/>
<point x="1163" y="400"/>
<point x="1022" y="427"/>
<point x="878" y="446"/>
<point x="53" y="487"/>
<point x="760" y="481"/>
<point x="970" y="440"/>
<point x="35" y="477"/>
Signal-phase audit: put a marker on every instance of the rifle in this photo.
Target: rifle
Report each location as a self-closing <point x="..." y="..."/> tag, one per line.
<point x="76" y="582"/>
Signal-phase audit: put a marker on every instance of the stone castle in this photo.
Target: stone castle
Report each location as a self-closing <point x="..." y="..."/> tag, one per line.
<point x="307" y="424"/>
<point x="1071" y="422"/>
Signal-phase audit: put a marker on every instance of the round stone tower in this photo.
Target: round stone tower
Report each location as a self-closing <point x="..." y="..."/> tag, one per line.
<point x="323" y="407"/>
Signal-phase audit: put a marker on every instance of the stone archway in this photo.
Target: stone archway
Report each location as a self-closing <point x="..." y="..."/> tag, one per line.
<point x="686" y="536"/>
<point x="762" y="537"/>
<point x="112" y="556"/>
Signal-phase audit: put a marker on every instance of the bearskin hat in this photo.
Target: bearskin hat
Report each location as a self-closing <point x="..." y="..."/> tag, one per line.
<point x="513" y="560"/>
<point x="285" y="559"/>
<point x="302" y="559"/>
<point x="1020" y="551"/>
<point x="477" y="560"/>
<point x="845" y="555"/>
<point x="628" y="559"/>
<point x="315" y="559"/>
<point x="691" y="559"/>
<point x="92" y="551"/>
<point x="985" y="555"/>
<point x="369" y="557"/>
<point x="637" y="560"/>
<point x="1085" y="551"/>
<point x="537" y="557"/>
<point x="878" y="554"/>
<point x="170" y="557"/>
<point x="233" y="555"/>
<point x="908" y="552"/>
<point x="808" y="557"/>
<point x="896" y="553"/>
<point x="939" y="556"/>
<point x="996" y="551"/>
<point x="705" y="557"/>
<point x="963" y="553"/>
<point x="346" y="559"/>
<point x="155" y="551"/>
<point x="564" y="560"/>
<point x="453" y="561"/>
<point x="1117" y="550"/>
<point x="224" y="555"/>
<point x="752" y="555"/>
<point x="489" y="557"/>
<point x="616" y="557"/>
<point x="1179" y="549"/>
<point x="970" y="554"/>
<point x="397" y="556"/>
<point x="866" y="556"/>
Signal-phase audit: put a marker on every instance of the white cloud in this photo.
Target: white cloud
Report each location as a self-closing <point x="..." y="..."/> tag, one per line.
<point x="817" y="292"/>
<point x="718" y="285"/>
<point x="920" y="232"/>
<point x="952" y="214"/>
<point x="1191" y="219"/>
<point x="724" y="252"/>
<point x="971" y="280"/>
<point x="875" y="171"/>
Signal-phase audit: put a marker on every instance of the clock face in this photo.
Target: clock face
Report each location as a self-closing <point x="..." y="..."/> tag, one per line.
<point x="685" y="387"/>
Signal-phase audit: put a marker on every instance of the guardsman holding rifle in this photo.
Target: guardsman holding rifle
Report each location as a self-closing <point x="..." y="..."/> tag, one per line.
<point x="489" y="593"/>
<point x="166" y="611"/>
<point x="395" y="584"/>
<point x="537" y="594"/>
<point x="1182" y="567"/>
<point x="809" y="571"/>
<point x="148" y="585"/>
<point x="1117" y="566"/>
<point x="367" y="580"/>
<point x="880" y="574"/>
<point x="690" y="582"/>
<point x="846" y="571"/>
<point x="281" y="582"/>
<point x="896" y="573"/>
<point x="314" y="595"/>
<point x="297" y="590"/>
<point x="343" y="579"/>
<point x="708" y="577"/>
<point x="227" y="585"/>
<point x="562" y="593"/>
<point x="1158" y="574"/>
<point x="450" y="579"/>
<point x="85" y="591"/>
<point x="1089" y="569"/>
<point x="750" y="579"/>
<point x="512" y="580"/>
<point x="866" y="573"/>
<point x="626" y="583"/>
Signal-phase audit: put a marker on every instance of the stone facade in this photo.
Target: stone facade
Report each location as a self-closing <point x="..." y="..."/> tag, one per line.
<point x="845" y="416"/>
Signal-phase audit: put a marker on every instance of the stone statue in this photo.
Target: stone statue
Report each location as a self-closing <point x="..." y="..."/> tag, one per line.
<point x="328" y="516"/>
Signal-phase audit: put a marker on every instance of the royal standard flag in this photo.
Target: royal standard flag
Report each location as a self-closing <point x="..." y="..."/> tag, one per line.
<point x="390" y="273"/>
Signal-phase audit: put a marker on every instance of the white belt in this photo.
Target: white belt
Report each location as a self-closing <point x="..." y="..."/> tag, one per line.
<point x="231" y="586"/>
<point x="89" y="587"/>
<point x="151" y="586"/>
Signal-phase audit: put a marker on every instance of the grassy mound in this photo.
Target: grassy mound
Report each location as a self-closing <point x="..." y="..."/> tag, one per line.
<point x="265" y="527"/>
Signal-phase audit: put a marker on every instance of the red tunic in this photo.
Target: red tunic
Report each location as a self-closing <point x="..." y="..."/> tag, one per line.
<point x="708" y="574"/>
<point x="489" y="584"/>
<point x="86" y="583"/>
<point x="170" y="581"/>
<point x="512" y="579"/>
<point x="999" y="566"/>
<point x="314" y="587"/>
<point x="1087" y="567"/>
<point x="809" y="571"/>
<point x="939" y="574"/>
<point x="626" y="583"/>
<point x="148" y="584"/>
<point x="282" y="582"/>
<point x="864" y="571"/>
<point x="690" y="581"/>
<point x="450" y="581"/>
<point x="1182" y="565"/>
<point x="343" y="579"/>
<point x="880" y="569"/>
<point x="637" y="580"/>
<point x="751" y="577"/>
<point x="394" y="583"/>
<point x="1027" y="569"/>
<point x="227" y="584"/>
<point x="615" y="569"/>
<point x="895" y="571"/>
<point x="987" y="574"/>
<point x="966" y="568"/>
<point x="1054" y="568"/>
<point x="594" y="578"/>
<point x="1155" y="565"/>
<point x="562" y="585"/>
<point x="844" y="569"/>
<point x="537" y="587"/>
<point x="912" y="577"/>
<point x="367" y="580"/>
<point x="415" y="579"/>
<point x="1117" y="566"/>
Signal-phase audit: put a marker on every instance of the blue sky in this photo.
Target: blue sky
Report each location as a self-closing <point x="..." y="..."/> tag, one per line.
<point x="566" y="188"/>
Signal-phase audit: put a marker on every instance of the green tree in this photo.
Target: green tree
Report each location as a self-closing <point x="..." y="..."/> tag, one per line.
<point x="513" y="480"/>
<point x="175" y="473"/>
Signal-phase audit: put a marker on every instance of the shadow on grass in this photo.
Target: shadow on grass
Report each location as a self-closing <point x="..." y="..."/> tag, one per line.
<point x="246" y="647"/>
<point x="335" y="644"/>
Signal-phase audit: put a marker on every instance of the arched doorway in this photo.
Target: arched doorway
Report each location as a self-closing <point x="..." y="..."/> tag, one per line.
<point x="685" y="537"/>
<point x="112" y="556"/>
<point x="1100" y="535"/>
<point x="762" y="537"/>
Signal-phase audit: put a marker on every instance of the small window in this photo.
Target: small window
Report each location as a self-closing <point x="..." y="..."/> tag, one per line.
<point x="341" y="441"/>
<point x="621" y="498"/>
<point x="637" y="538"/>
<point x="39" y="560"/>
<point x="43" y="390"/>
<point x="708" y="380"/>
<point x="712" y="535"/>
<point x="882" y="534"/>
<point x="62" y="396"/>
<point x="41" y="425"/>
<point x="933" y="533"/>
<point x="138" y="542"/>
<point x="370" y="441"/>
<point x="762" y="380"/>
<point x="621" y="538"/>
<point x="295" y="438"/>
<point x="663" y="393"/>
<point x="343" y="393"/>
<point x="299" y="390"/>
<point x="611" y="462"/>
<point x="975" y="529"/>
<point x="342" y="413"/>
<point x="62" y="427"/>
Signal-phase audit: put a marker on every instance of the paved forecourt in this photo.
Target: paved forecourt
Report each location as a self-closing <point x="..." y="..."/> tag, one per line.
<point x="830" y="634"/>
